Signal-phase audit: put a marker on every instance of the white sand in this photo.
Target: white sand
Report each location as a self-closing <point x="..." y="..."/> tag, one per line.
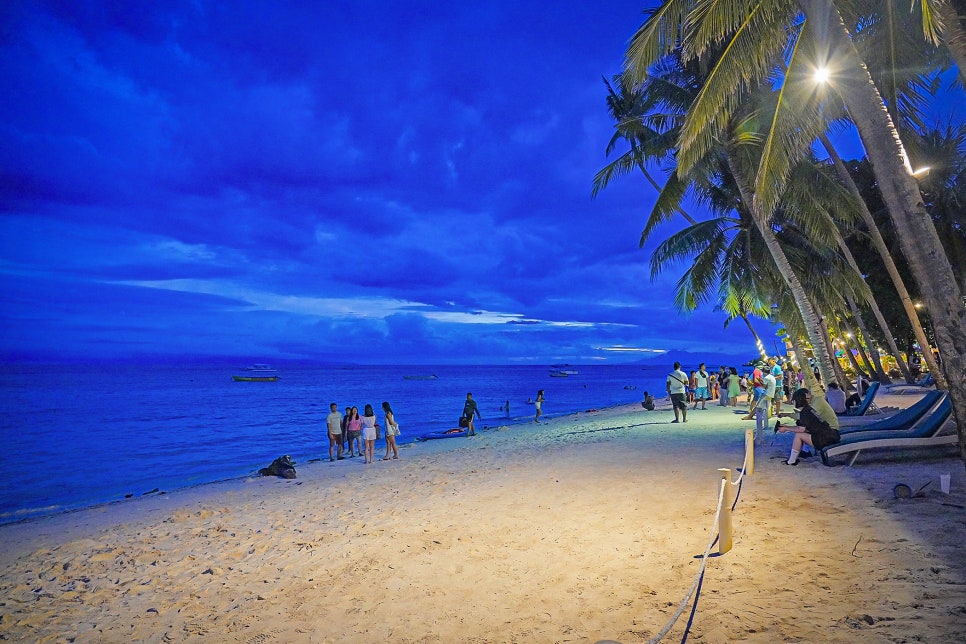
<point x="580" y="529"/>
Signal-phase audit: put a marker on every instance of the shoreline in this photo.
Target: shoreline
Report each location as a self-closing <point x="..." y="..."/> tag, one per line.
<point x="590" y="522"/>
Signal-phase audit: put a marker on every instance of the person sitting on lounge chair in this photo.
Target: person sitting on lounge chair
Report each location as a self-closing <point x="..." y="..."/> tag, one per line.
<point x="836" y="398"/>
<point x="810" y="428"/>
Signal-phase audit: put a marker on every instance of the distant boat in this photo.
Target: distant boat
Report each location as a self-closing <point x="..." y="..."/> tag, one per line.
<point x="258" y="373"/>
<point x="429" y="377"/>
<point x="558" y="370"/>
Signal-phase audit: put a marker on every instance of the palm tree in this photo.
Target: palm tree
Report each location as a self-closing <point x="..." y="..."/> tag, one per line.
<point x="756" y="37"/>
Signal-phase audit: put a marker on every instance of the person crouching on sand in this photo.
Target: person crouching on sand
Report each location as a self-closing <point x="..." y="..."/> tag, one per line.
<point x="392" y="430"/>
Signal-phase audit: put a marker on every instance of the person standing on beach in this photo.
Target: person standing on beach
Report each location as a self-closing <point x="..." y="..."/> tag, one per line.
<point x="723" y="392"/>
<point x="756" y="376"/>
<point x="346" y="445"/>
<point x="392" y="430"/>
<point x="538" y="406"/>
<point x="700" y="386"/>
<point x="333" y="423"/>
<point x="369" y="425"/>
<point x="677" y="380"/>
<point x="469" y="408"/>
<point x="507" y="409"/>
<point x="734" y="386"/>
<point x="353" y="429"/>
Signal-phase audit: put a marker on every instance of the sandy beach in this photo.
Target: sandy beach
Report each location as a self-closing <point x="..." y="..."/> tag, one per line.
<point x="580" y="529"/>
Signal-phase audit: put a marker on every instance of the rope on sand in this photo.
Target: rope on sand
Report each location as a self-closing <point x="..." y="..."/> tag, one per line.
<point x="695" y="589"/>
<point x="697" y="578"/>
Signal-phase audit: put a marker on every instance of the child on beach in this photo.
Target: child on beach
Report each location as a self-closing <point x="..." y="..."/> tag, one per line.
<point x="648" y="402"/>
<point x="369" y="425"/>
<point x="392" y="430"/>
<point x="538" y="406"/>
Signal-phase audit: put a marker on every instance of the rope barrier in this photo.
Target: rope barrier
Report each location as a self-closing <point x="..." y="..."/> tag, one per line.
<point x="695" y="590"/>
<point x="697" y="578"/>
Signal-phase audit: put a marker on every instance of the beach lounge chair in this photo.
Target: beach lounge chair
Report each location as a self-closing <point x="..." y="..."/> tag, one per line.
<point x="900" y="421"/>
<point x="924" y="434"/>
<point x="926" y="381"/>
<point x="863" y="407"/>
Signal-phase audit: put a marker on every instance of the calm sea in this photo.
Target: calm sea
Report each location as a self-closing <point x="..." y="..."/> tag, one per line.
<point x="75" y="436"/>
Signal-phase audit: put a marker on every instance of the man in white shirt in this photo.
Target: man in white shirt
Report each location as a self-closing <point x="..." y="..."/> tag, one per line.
<point x="835" y="398"/>
<point x="677" y="380"/>
<point x="700" y="387"/>
<point x="333" y="423"/>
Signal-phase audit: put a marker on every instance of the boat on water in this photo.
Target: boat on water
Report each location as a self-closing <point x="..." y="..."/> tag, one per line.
<point x="257" y="373"/>
<point x="418" y="377"/>
<point x="456" y="432"/>
<point x="562" y="371"/>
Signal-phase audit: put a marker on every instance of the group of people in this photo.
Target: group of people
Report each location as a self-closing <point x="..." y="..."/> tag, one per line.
<point x="354" y="435"/>
<point x="723" y="385"/>
<point x="767" y="386"/>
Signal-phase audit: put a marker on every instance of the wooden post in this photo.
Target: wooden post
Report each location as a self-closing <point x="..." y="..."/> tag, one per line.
<point x="749" y="451"/>
<point x="724" y="519"/>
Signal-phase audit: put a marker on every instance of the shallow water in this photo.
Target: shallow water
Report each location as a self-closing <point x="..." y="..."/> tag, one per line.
<point x="78" y="435"/>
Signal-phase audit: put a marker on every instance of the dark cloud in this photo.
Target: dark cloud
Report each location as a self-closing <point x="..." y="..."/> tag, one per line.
<point x="404" y="179"/>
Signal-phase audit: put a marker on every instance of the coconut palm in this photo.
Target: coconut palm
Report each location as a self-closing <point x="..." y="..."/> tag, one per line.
<point x="754" y="40"/>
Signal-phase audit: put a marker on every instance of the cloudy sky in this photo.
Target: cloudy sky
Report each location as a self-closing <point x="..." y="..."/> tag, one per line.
<point x="351" y="181"/>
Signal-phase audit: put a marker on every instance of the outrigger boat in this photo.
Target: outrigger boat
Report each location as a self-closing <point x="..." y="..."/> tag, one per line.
<point x="258" y="373"/>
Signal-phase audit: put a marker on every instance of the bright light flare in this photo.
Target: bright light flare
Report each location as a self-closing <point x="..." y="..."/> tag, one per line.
<point x="821" y="75"/>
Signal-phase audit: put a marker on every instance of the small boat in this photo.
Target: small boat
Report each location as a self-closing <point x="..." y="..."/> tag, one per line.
<point x="564" y="369"/>
<point x="448" y="433"/>
<point x="558" y="373"/>
<point x="417" y="377"/>
<point x="258" y="373"/>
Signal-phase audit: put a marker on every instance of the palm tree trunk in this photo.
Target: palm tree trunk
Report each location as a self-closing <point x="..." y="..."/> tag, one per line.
<point x="880" y="246"/>
<point x="818" y="392"/>
<point x="761" y="347"/>
<point x="838" y="373"/>
<point x="953" y="35"/>
<point x="867" y="294"/>
<point x="917" y="235"/>
<point x="865" y="368"/>
<point x="876" y="362"/>
<point x="812" y="322"/>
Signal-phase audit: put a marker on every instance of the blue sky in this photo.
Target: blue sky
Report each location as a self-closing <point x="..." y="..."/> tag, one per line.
<point x="354" y="182"/>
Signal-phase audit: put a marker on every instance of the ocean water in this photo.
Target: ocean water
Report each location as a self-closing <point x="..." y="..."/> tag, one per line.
<point x="79" y="435"/>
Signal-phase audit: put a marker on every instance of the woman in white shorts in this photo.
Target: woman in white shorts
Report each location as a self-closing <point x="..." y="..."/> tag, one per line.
<point x="369" y="425"/>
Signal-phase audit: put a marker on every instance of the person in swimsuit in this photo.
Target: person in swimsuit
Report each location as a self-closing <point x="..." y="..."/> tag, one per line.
<point x="538" y="406"/>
